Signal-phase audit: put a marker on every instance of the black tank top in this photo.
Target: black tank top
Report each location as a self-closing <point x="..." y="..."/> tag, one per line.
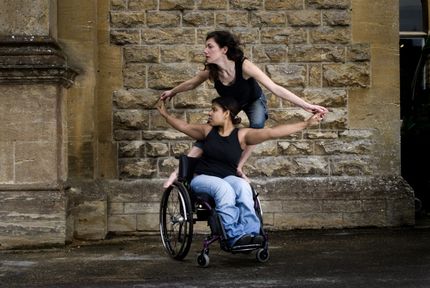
<point x="220" y="154"/>
<point x="244" y="91"/>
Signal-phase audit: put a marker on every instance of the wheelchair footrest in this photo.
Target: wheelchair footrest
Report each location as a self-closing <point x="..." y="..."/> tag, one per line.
<point x="245" y="248"/>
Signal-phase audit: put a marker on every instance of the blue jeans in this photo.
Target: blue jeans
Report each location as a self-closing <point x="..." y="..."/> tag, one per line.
<point x="257" y="112"/>
<point x="234" y="204"/>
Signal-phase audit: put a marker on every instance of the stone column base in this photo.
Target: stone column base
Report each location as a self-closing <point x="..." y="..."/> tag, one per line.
<point x="32" y="216"/>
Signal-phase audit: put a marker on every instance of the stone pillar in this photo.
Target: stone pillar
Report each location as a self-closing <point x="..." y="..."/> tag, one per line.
<point x="33" y="151"/>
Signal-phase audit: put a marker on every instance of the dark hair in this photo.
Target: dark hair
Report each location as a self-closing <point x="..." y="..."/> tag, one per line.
<point x="230" y="104"/>
<point x="224" y="39"/>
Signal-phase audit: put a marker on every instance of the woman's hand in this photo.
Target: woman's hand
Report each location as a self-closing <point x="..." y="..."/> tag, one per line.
<point x="315" y="119"/>
<point x="316" y="109"/>
<point x="167" y="95"/>
<point x="161" y="107"/>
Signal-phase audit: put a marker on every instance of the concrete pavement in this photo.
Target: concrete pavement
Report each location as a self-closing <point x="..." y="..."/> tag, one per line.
<point x="395" y="257"/>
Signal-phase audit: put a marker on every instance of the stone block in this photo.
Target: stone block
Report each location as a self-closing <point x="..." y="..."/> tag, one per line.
<point x="122" y="223"/>
<point x="330" y="35"/>
<point x="32" y="218"/>
<point x="123" y="135"/>
<point x="347" y="206"/>
<point x="330" y="4"/>
<point x="163" y="19"/>
<point x="141" y="207"/>
<point x="90" y="220"/>
<point x="178" y="148"/>
<point x="127" y="19"/>
<point x="167" y="166"/>
<point x="284" y="36"/>
<point x="35" y="162"/>
<point x="156" y="149"/>
<point x="7" y="162"/>
<point x="124" y="37"/>
<point x="148" y="222"/>
<point x="131" y="119"/>
<point x="176" y="4"/>
<point x="290" y="75"/>
<point x="284" y="5"/>
<point x="351" y="165"/>
<point x="165" y="36"/>
<point x="302" y="206"/>
<point x="316" y="53"/>
<point x="142" y="4"/>
<point x="198" y="98"/>
<point x="358" y="52"/>
<point x="173" y="54"/>
<point x="165" y="76"/>
<point x="269" y="53"/>
<point x="308" y="220"/>
<point x="118" y="4"/>
<point x="268" y="148"/>
<point x="128" y="149"/>
<point x="137" y="168"/>
<point x="136" y="98"/>
<point x="295" y="148"/>
<point x="198" y="19"/>
<point x="315" y="75"/>
<point x="212" y="4"/>
<point x="346" y="75"/>
<point x="145" y="54"/>
<point x="135" y="75"/>
<point x="232" y="19"/>
<point x="246" y="4"/>
<point x="333" y="147"/>
<point x="307" y="18"/>
<point x="268" y="18"/>
<point x="336" y="18"/>
<point x="331" y="97"/>
<point x="116" y="208"/>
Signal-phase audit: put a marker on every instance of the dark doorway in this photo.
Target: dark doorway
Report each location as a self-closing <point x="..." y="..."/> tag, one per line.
<point x="415" y="100"/>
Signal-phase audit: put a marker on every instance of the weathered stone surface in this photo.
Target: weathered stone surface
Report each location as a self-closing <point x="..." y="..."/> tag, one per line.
<point x="122" y="223"/>
<point x="131" y="149"/>
<point x="118" y="4"/>
<point x="163" y="19"/>
<point x="176" y="4"/>
<point x="304" y="18"/>
<point x="268" y="19"/>
<point x="283" y="4"/>
<point x="269" y="53"/>
<point x="330" y="4"/>
<point x="336" y="18"/>
<point x="198" y="19"/>
<point x="169" y="75"/>
<point x="344" y="147"/>
<point x="135" y="76"/>
<point x="316" y="53"/>
<point x="178" y="148"/>
<point x="137" y="168"/>
<point x="166" y="36"/>
<point x="157" y="149"/>
<point x="199" y="98"/>
<point x="131" y="119"/>
<point x="346" y="75"/>
<point x="136" y="98"/>
<point x="246" y="4"/>
<point x="358" y="52"/>
<point x="212" y="4"/>
<point x="32" y="218"/>
<point x="295" y="148"/>
<point x="232" y="19"/>
<point x="90" y="219"/>
<point x="148" y="221"/>
<point x="326" y="97"/>
<point x="266" y="148"/>
<point x="289" y="75"/>
<point x="124" y="37"/>
<point x="352" y="165"/>
<point x="283" y="36"/>
<point x="146" y="54"/>
<point x="330" y="35"/>
<point x="142" y="4"/>
<point x="128" y="19"/>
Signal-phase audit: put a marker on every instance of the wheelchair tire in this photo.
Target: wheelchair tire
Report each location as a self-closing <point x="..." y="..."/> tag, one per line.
<point x="176" y="221"/>
<point x="262" y="255"/>
<point x="203" y="260"/>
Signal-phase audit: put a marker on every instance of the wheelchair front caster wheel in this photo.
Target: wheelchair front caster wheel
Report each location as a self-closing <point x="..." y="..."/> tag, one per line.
<point x="262" y="255"/>
<point x="203" y="260"/>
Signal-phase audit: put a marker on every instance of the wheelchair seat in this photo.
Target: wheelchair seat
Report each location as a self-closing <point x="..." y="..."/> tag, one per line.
<point x="180" y="208"/>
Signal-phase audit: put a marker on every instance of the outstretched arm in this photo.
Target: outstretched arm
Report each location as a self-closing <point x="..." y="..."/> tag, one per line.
<point x="195" y="131"/>
<point x="255" y="136"/>
<point x="251" y="70"/>
<point x="190" y="84"/>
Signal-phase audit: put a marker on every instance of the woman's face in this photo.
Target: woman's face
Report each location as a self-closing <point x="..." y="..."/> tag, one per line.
<point x="213" y="52"/>
<point x="217" y="115"/>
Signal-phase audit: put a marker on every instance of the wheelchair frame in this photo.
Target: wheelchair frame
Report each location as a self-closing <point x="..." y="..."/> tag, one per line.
<point x="180" y="209"/>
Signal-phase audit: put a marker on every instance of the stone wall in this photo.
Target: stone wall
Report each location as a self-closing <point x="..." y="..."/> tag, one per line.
<point x="303" y="45"/>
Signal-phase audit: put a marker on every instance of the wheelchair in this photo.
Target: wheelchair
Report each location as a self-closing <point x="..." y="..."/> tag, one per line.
<point x="180" y="209"/>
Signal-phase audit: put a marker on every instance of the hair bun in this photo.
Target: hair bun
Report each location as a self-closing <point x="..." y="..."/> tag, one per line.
<point x="237" y="120"/>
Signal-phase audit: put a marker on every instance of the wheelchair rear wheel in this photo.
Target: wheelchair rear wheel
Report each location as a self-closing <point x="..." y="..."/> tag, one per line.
<point x="176" y="221"/>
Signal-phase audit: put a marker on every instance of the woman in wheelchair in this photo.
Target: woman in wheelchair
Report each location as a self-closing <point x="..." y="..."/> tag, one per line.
<point x="215" y="172"/>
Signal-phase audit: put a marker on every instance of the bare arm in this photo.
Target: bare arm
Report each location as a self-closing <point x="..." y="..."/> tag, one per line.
<point x="249" y="136"/>
<point x="251" y="70"/>
<point x="190" y="84"/>
<point x="195" y="131"/>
